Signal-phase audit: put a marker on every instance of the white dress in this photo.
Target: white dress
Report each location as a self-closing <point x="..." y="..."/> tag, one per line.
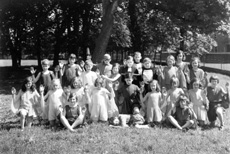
<point x="198" y="104"/>
<point x="99" y="105"/>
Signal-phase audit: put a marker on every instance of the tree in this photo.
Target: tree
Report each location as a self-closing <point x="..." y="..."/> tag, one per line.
<point x="109" y="7"/>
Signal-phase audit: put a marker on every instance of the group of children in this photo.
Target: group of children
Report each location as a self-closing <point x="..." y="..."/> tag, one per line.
<point x="136" y="93"/>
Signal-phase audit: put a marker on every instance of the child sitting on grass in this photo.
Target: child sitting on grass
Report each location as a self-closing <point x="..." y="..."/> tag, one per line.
<point x="25" y="102"/>
<point x="182" y="116"/>
<point x="73" y="114"/>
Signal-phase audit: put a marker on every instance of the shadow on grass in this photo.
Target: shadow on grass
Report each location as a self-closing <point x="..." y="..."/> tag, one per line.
<point x="10" y="125"/>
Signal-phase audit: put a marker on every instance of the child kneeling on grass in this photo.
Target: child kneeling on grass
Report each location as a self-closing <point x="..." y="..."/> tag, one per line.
<point x="182" y="116"/>
<point x="72" y="115"/>
<point x="216" y="94"/>
<point x="26" y="102"/>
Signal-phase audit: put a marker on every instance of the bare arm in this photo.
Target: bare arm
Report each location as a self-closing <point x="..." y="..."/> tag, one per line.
<point x="111" y="79"/>
<point x="37" y="78"/>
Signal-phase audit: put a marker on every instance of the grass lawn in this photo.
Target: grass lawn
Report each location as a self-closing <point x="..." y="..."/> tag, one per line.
<point x="99" y="138"/>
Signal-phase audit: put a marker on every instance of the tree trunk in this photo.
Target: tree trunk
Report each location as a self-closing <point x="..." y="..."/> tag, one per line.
<point x="107" y="24"/>
<point x="134" y="27"/>
<point x="38" y="49"/>
<point x="13" y="55"/>
<point x="182" y="33"/>
<point x="57" y="51"/>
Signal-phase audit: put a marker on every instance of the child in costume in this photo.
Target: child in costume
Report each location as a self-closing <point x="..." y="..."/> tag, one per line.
<point x="199" y="101"/>
<point x="152" y="101"/>
<point x="70" y="70"/>
<point x="196" y="72"/>
<point x="100" y="98"/>
<point x="26" y="102"/>
<point x="56" y="99"/>
<point x="128" y="96"/>
<point x="172" y="96"/>
<point x="148" y="74"/>
<point x="45" y="77"/>
<point x="169" y="71"/>
<point x="88" y="77"/>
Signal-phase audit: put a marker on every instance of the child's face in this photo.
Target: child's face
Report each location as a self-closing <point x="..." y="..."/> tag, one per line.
<point x="73" y="101"/>
<point x="88" y="67"/>
<point x="196" y="85"/>
<point x="98" y="85"/>
<point x="72" y="60"/>
<point x="180" y="56"/>
<point x="116" y="121"/>
<point x="76" y="84"/>
<point x="128" y="81"/>
<point x="214" y="83"/>
<point x="107" y="61"/>
<point x="183" y="104"/>
<point x="115" y="69"/>
<point x="56" y="85"/>
<point x="174" y="84"/>
<point x="82" y="64"/>
<point x="28" y="84"/>
<point x="195" y="64"/>
<point x="129" y="63"/>
<point x="45" y="67"/>
<point x="153" y="86"/>
<point x="136" y="110"/>
<point x="147" y="64"/>
<point x="137" y="58"/>
<point x="170" y="61"/>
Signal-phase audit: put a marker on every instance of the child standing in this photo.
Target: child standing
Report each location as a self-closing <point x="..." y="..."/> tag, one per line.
<point x="137" y="62"/>
<point x="45" y="77"/>
<point x="196" y="72"/>
<point x="169" y="71"/>
<point x="100" y="97"/>
<point x="127" y="69"/>
<point x="70" y="70"/>
<point x="215" y="95"/>
<point x="88" y="77"/>
<point x="181" y="65"/>
<point x="128" y="96"/>
<point x="199" y="101"/>
<point x="55" y="100"/>
<point x="105" y="67"/>
<point x="115" y="78"/>
<point x="183" y="117"/>
<point x="152" y="101"/>
<point x="78" y="90"/>
<point x="148" y="74"/>
<point x="25" y="102"/>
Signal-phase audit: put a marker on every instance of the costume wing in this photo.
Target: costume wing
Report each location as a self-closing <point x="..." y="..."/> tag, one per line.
<point x="15" y="106"/>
